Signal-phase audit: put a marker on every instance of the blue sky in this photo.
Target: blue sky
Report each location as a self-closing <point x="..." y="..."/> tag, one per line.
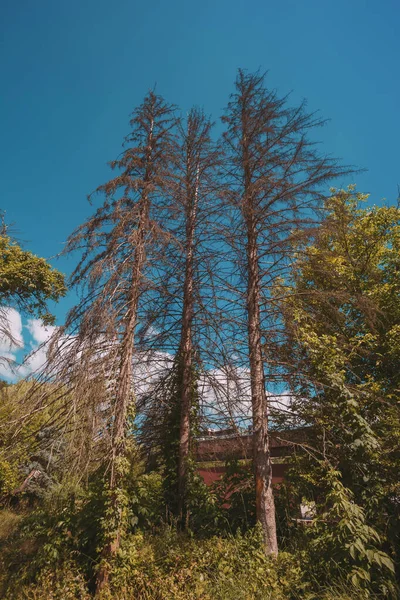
<point x="71" y="73"/>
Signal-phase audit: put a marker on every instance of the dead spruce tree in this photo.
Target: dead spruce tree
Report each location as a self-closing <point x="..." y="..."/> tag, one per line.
<point x="194" y="183"/>
<point x="275" y="178"/>
<point x="122" y="245"/>
<point x="171" y="404"/>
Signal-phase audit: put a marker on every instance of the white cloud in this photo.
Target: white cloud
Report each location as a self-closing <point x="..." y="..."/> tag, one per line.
<point x="12" y="334"/>
<point x="149" y="368"/>
<point x="11" y="341"/>
<point x="11" y="338"/>
<point x="34" y="362"/>
<point x="8" y="366"/>
<point x="40" y="333"/>
<point x="225" y="393"/>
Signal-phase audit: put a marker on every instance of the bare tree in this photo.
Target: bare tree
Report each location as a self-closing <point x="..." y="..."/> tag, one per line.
<point x="170" y="403"/>
<point x="148" y="264"/>
<point x="122" y="245"/>
<point x="275" y="179"/>
<point x="196" y="162"/>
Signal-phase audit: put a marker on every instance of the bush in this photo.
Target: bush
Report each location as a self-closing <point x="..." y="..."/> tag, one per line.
<point x="8" y="523"/>
<point x="173" y="566"/>
<point x="63" y="582"/>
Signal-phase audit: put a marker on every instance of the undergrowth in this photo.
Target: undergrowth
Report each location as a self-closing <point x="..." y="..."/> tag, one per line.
<point x="162" y="565"/>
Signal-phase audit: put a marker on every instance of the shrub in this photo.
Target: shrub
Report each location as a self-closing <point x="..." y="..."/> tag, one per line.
<point x="61" y="582"/>
<point x="173" y="566"/>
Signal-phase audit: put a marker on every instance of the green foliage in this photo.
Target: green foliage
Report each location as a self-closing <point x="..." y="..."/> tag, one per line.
<point x="169" y="439"/>
<point x="147" y="501"/>
<point x="343" y="544"/>
<point x="235" y="497"/>
<point x="42" y="546"/>
<point x="27" y="281"/>
<point x="175" y="566"/>
<point x="343" y="321"/>
<point x="203" y="516"/>
<point x="9" y="476"/>
<point x="14" y="452"/>
<point x="48" y="554"/>
<point x="8" y="523"/>
<point x="64" y="582"/>
<point x="161" y="429"/>
<point x="28" y="444"/>
<point x="342" y="317"/>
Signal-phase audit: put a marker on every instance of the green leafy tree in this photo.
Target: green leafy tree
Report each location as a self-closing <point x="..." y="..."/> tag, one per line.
<point x="342" y="319"/>
<point x="28" y="282"/>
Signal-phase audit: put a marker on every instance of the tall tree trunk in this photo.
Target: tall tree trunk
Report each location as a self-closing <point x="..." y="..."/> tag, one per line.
<point x="265" y="505"/>
<point x="123" y="398"/>
<point x="276" y="179"/>
<point x="124" y="383"/>
<point x="186" y="349"/>
<point x="119" y="243"/>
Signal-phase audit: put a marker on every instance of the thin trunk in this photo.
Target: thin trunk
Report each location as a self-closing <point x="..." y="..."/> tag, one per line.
<point x="124" y="386"/>
<point x="186" y="349"/>
<point x="122" y="400"/>
<point x="265" y="505"/>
